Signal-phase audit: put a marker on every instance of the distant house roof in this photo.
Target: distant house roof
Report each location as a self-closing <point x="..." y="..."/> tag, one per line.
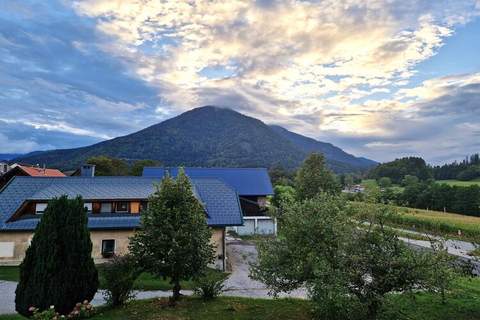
<point x="246" y="181"/>
<point x="40" y="172"/>
<point x="220" y="201"/>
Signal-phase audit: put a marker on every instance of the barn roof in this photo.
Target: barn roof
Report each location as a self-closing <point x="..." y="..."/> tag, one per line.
<point x="246" y="181"/>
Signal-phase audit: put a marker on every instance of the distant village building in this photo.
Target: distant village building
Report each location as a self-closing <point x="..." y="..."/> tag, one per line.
<point x="28" y="171"/>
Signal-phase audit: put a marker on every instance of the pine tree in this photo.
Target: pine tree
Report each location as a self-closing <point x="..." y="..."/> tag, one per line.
<point x="174" y="239"/>
<point x="58" y="268"/>
<point x="313" y="177"/>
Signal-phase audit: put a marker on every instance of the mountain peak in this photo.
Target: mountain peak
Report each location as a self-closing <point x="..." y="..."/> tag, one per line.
<point x="207" y="136"/>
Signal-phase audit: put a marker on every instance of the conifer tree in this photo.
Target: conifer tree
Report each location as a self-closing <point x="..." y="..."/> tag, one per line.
<point x="58" y="268"/>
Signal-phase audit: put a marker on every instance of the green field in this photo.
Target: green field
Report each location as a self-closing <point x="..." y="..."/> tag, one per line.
<point x="462" y="304"/>
<point x="460" y="183"/>
<point x="436" y="222"/>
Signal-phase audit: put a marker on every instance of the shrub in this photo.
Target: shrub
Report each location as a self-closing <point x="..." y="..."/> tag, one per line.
<point x="120" y="273"/>
<point x="58" y="268"/>
<point x="209" y="286"/>
<point x="81" y="311"/>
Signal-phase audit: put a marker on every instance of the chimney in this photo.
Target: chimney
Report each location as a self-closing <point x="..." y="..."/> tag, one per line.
<point x="87" y="170"/>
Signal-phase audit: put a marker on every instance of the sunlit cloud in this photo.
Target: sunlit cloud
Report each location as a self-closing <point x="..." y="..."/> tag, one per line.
<point x="347" y="72"/>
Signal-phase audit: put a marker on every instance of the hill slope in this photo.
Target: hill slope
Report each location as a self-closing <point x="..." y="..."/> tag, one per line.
<point x="206" y="136"/>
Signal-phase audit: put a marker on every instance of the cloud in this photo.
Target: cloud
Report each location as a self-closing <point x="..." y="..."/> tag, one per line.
<point x="341" y="71"/>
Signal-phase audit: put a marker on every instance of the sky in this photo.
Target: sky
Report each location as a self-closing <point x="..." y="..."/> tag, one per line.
<point x="380" y="79"/>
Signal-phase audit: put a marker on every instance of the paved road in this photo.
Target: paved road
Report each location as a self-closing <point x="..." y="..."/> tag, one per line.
<point x="241" y="254"/>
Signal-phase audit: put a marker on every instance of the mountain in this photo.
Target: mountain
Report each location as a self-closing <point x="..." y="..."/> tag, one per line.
<point x="9" y="156"/>
<point x="207" y="136"/>
<point x="334" y="154"/>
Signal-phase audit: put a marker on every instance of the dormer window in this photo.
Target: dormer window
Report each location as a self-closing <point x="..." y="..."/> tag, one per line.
<point x="40" y="208"/>
<point x="106" y="207"/>
<point x="88" y="207"/>
<point x="122" y="207"/>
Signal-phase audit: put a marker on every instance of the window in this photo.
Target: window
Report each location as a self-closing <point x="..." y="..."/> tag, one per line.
<point x="108" y="248"/>
<point x="122" y="206"/>
<point x="143" y="206"/>
<point x="40" y="208"/>
<point x="106" y="207"/>
<point x="88" y="206"/>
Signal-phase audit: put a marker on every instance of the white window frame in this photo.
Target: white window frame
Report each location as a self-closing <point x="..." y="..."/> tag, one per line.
<point x="88" y="206"/>
<point x="40" y="207"/>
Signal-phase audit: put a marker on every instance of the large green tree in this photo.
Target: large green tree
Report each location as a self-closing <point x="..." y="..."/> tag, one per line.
<point x="348" y="265"/>
<point x="58" y="268"/>
<point x="173" y="240"/>
<point x="313" y="177"/>
<point x="137" y="167"/>
<point x="107" y="166"/>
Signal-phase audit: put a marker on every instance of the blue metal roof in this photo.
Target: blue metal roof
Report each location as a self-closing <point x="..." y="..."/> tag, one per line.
<point x="246" y="181"/>
<point x="220" y="200"/>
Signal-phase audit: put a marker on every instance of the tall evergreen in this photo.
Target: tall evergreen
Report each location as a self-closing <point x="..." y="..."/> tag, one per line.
<point x="174" y="239"/>
<point x="313" y="177"/>
<point x="58" y="268"/>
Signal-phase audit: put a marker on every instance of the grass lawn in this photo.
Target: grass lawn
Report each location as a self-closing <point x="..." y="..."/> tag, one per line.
<point x="9" y="273"/>
<point x="144" y="282"/>
<point x="462" y="304"/>
<point x="460" y="183"/>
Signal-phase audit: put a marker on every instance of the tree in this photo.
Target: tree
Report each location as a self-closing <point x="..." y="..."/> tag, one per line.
<point x="137" y="167"/>
<point x="308" y="251"/>
<point x="409" y="180"/>
<point x="58" y="268"/>
<point x="348" y="181"/>
<point x="385" y="182"/>
<point x="174" y="239"/>
<point x="283" y="195"/>
<point x="107" y="166"/>
<point x="347" y="265"/>
<point x="313" y="178"/>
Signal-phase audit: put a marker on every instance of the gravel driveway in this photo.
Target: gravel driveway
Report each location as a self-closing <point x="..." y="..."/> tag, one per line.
<point x="240" y="254"/>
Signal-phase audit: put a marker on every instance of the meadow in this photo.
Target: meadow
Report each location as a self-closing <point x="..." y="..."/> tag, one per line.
<point x="460" y="183"/>
<point x="437" y="222"/>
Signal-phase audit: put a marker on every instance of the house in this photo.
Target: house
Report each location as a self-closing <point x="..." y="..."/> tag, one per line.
<point x="29" y="171"/>
<point x="252" y="185"/>
<point x="113" y="205"/>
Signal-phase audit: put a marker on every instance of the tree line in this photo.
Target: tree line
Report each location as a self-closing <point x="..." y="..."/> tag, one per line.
<point x="430" y="195"/>
<point x="466" y="170"/>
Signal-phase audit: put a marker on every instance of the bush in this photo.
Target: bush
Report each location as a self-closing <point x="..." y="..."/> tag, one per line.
<point x="58" y="268"/>
<point x="209" y="286"/>
<point x="120" y="273"/>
